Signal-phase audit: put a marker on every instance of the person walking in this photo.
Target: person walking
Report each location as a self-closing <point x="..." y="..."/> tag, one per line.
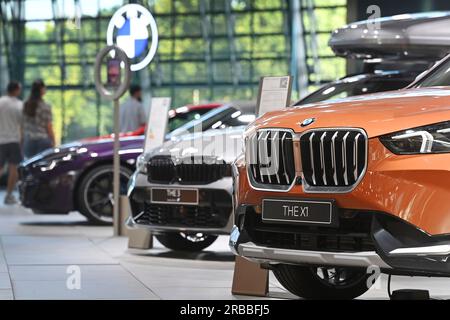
<point x="38" y="131"/>
<point x="10" y="136"/>
<point x="132" y="113"/>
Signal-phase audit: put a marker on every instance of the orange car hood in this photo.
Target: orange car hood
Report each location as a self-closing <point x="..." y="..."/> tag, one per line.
<point x="377" y="114"/>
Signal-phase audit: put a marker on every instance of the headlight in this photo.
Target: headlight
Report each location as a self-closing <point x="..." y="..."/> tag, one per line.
<point x="56" y="157"/>
<point x="141" y="164"/>
<point x="433" y="138"/>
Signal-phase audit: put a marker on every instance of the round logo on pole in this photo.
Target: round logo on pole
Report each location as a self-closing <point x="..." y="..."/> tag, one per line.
<point x="133" y="29"/>
<point x="117" y="82"/>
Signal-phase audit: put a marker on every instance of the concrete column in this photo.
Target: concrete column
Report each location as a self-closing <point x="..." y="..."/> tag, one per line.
<point x="299" y="68"/>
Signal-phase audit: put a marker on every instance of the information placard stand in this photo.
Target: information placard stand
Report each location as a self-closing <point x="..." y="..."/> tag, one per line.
<point x="249" y="278"/>
<point x="154" y="137"/>
<point x="274" y="94"/>
<point x="158" y="121"/>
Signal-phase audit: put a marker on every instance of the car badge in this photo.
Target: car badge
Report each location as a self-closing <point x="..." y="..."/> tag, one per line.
<point x="307" y="122"/>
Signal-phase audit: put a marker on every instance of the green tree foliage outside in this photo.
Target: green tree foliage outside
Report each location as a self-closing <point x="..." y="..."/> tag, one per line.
<point x="207" y="56"/>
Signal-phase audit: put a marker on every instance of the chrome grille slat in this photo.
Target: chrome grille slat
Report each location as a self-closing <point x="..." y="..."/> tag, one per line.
<point x="312" y="158"/>
<point x="322" y="158"/>
<point x="266" y="152"/>
<point x="284" y="158"/>
<point x="344" y="157"/>
<point x="261" y="155"/>
<point x="276" y="155"/>
<point x="333" y="157"/>
<point x="253" y="154"/>
<point x="355" y="156"/>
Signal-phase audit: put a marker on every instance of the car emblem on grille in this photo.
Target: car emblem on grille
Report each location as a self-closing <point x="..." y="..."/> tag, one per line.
<point x="307" y="122"/>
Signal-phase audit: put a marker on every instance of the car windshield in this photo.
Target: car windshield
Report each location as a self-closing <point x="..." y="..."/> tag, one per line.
<point x="354" y="86"/>
<point x="219" y="118"/>
<point x="439" y="77"/>
<point x="181" y="119"/>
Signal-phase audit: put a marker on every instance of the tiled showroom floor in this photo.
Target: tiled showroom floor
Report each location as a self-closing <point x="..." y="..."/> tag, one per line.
<point x="36" y="251"/>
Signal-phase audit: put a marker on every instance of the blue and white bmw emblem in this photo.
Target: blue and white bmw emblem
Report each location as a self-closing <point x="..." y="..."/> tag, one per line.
<point x="307" y="122"/>
<point x="133" y="29"/>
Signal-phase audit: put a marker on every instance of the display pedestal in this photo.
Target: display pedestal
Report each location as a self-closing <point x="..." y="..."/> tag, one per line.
<point x="250" y="279"/>
<point x="140" y="239"/>
<point x="124" y="211"/>
<point x="137" y="238"/>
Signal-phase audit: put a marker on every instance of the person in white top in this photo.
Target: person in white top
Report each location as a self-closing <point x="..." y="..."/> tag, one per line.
<point x="10" y="136"/>
<point x="132" y="113"/>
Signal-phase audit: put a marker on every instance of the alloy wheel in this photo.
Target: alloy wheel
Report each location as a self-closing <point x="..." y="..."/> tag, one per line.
<point x="337" y="277"/>
<point x="99" y="194"/>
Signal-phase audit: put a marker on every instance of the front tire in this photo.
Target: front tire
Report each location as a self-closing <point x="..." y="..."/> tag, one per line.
<point x="324" y="283"/>
<point x="95" y="194"/>
<point x="186" y="242"/>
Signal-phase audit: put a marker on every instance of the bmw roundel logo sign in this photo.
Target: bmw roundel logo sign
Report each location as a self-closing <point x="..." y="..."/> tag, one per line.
<point x="133" y="29"/>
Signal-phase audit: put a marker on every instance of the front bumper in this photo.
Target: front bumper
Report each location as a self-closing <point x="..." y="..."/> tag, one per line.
<point x="49" y="195"/>
<point x="213" y="214"/>
<point x="268" y="255"/>
<point x="363" y="239"/>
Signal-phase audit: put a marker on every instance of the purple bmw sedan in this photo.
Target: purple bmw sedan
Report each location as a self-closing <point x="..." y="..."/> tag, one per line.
<point x="77" y="176"/>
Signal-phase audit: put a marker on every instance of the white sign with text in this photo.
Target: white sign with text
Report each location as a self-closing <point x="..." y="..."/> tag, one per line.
<point x="157" y="123"/>
<point x="274" y="94"/>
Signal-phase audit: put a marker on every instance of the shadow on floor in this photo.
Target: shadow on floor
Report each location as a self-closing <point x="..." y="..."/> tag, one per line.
<point x="62" y="224"/>
<point x="282" y="295"/>
<point x="203" y="255"/>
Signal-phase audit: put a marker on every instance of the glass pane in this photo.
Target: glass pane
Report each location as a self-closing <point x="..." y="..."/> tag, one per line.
<point x="207" y="52"/>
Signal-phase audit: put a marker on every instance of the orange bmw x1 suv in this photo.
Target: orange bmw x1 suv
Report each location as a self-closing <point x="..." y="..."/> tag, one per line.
<point x="326" y="193"/>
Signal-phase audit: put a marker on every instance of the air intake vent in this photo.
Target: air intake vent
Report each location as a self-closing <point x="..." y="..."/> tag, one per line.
<point x="161" y="169"/>
<point x="201" y="170"/>
<point x="190" y="170"/>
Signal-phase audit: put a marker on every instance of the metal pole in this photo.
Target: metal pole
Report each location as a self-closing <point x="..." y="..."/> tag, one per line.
<point x="299" y="67"/>
<point x="114" y="95"/>
<point x="116" y="168"/>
